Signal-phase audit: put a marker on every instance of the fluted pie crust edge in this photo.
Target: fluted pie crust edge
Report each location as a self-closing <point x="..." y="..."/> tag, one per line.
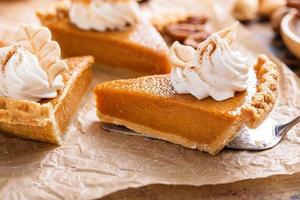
<point x="265" y="97"/>
<point x="219" y="126"/>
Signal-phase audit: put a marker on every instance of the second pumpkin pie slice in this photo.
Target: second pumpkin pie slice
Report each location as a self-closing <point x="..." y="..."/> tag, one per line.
<point x="132" y="44"/>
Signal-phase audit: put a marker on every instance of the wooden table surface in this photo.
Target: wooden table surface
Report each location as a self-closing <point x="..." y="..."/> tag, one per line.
<point x="277" y="187"/>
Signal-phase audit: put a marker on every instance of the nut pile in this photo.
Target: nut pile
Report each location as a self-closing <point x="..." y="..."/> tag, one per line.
<point x="246" y="10"/>
<point x="190" y="31"/>
<point x="275" y="10"/>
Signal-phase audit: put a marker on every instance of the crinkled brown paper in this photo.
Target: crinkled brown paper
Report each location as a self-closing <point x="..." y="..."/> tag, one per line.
<point x="93" y="163"/>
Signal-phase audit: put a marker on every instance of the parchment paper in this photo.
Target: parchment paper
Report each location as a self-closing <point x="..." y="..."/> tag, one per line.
<point x="93" y="163"/>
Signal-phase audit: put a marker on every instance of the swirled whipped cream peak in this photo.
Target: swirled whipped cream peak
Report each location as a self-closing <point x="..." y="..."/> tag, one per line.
<point x="30" y="67"/>
<point x="103" y="15"/>
<point x="38" y="41"/>
<point x="214" y="69"/>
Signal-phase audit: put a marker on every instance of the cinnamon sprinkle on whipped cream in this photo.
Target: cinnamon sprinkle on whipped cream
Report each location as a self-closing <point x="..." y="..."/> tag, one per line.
<point x="214" y="69"/>
<point x="31" y="66"/>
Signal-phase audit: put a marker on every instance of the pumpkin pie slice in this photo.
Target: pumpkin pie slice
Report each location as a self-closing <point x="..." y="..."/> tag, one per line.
<point x="48" y="119"/>
<point x="211" y="93"/>
<point x="39" y="92"/>
<point x="138" y="47"/>
<point x="151" y="106"/>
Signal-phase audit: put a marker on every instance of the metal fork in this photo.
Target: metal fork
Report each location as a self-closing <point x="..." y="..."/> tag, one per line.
<point x="266" y="136"/>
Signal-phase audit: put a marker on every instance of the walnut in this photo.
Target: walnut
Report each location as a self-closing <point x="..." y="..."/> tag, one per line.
<point x="266" y="7"/>
<point x="245" y="10"/>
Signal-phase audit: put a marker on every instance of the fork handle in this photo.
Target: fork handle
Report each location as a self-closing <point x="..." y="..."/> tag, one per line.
<point x="284" y="128"/>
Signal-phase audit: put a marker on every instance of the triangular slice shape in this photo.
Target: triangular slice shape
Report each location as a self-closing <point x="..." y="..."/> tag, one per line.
<point x="150" y="106"/>
<point x="139" y="48"/>
<point x="49" y="119"/>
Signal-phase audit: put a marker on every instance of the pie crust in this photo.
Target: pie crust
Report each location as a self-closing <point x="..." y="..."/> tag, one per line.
<point x="150" y="106"/>
<point x="139" y="48"/>
<point x="48" y="120"/>
<point x="265" y="97"/>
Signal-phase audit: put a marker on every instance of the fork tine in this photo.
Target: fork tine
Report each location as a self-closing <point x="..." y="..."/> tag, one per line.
<point x="282" y="129"/>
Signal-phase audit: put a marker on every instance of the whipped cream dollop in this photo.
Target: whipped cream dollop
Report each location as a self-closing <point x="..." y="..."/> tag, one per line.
<point x="30" y="67"/>
<point x="103" y="15"/>
<point x="214" y="69"/>
<point x="22" y="77"/>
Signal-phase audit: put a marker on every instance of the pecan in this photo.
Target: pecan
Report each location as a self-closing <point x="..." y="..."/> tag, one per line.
<point x="180" y="32"/>
<point x="195" y="39"/>
<point x="192" y="30"/>
<point x="142" y="1"/>
<point x="195" y="20"/>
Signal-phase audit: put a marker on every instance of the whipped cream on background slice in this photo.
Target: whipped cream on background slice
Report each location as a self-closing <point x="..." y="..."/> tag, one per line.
<point x="22" y="77"/>
<point x="103" y="15"/>
<point x="214" y="69"/>
<point x="31" y="66"/>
